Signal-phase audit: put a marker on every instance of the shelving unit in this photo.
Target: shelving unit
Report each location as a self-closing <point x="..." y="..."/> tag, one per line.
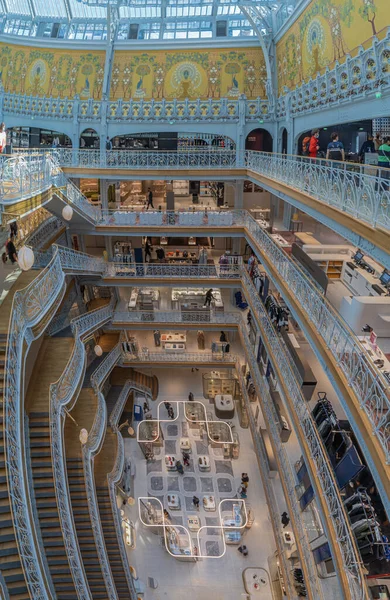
<point x="217" y="382"/>
<point x="181" y="188"/>
<point x="332" y="268"/>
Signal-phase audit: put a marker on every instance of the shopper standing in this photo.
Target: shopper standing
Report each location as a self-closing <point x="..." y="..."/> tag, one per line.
<point x="150" y="199"/>
<point x="367" y="147"/>
<point x="3" y="138"/>
<point x="148" y="251"/>
<point x="195" y="502"/>
<point x="11" y="250"/>
<point x="384" y="153"/>
<point x="314" y="144"/>
<point x="243" y="549"/>
<point x="191" y="397"/>
<point x="377" y="141"/>
<point x="285" y="519"/>
<point x="209" y="296"/>
<point x="222" y="337"/>
<point x="335" y="150"/>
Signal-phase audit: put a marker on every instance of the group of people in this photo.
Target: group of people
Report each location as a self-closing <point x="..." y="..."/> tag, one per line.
<point x="10" y="249"/>
<point x="243" y="490"/>
<point x="335" y="148"/>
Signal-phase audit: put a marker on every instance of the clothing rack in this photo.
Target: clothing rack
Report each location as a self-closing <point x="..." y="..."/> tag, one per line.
<point x="278" y="314"/>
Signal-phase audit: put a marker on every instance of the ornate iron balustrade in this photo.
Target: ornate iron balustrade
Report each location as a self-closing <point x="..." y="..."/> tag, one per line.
<point x="29" y="308"/>
<point x="100" y="374"/>
<point x="130" y="386"/>
<point x="193" y="111"/>
<point x="182" y="218"/>
<point x="44" y="232"/>
<point x="358" y="76"/>
<point x="160" y="316"/>
<point x="180" y="357"/>
<point x="361" y="191"/>
<point x="278" y="355"/>
<point x="114" y="478"/>
<point x="28" y="225"/>
<point x="63" y="396"/>
<point x="153" y="271"/>
<point x="23" y="175"/>
<point x="307" y="559"/>
<point x="369" y="385"/>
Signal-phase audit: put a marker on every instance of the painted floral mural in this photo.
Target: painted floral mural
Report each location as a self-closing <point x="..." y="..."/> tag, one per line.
<point x="327" y="31"/>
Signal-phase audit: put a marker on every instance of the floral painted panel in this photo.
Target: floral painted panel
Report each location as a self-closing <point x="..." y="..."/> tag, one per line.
<point x="326" y="32"/>
<point x="188" y="74"/>
<point x="51" y="72"/>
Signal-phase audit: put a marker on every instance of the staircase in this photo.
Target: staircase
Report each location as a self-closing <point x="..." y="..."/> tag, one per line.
<point x="111" y="541"/>
<point x="86" y="539"/>
<point x="121" y="374"/>
<point x="45" y="498"/>
<point x="10" y="565"/>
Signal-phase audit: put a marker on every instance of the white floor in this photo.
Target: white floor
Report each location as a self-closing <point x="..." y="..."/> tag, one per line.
<point x="210" y="578"/>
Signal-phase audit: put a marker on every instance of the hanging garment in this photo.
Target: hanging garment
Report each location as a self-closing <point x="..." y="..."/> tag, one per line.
<point x="201" y="340"/>
<point x="157" y="337"/>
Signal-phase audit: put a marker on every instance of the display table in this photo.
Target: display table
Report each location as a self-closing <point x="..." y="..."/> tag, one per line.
<point x="209" y="503"/>
<point x="173" y="501"/>
<point x="185" y="444"/>
<point x="175" y="347"/>
<point x="193" y="523"/>
<point x="146" y="298"/>
<point x="288" y="538"/>
<point x="224" y="406"/>
<point x="374" y="353"/>
<point x="307" y="238"/>
<point x="195" y="296"/>
<point x="170" y="462"/>
<point x="263" y="223"/>
<point x="281" y="241"/>
<point x="256" y="580"/>
<point x="204" y="463"/>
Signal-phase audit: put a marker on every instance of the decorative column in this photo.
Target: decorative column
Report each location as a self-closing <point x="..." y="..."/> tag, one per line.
<point x="240" y="137"/>
<point x="104" y="185"/>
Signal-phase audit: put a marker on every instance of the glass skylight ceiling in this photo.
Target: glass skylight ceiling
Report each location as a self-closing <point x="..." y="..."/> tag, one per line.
<point x="137" y="19"/>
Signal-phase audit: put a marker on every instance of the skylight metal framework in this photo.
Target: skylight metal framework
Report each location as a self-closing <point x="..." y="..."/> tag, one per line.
<point x="142" y="19"/>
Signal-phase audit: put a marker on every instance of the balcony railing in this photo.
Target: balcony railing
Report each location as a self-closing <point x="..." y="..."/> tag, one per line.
<point x="307" y="559"/>
<point x="23" y="175"/>
<point x="356" y="78"/>
<point x="156" y="271"/>
<point x="159" y="316"/>
<point x="180" y="357"/>
<point x="327" y="482"/>
<point x="148" y="111"/>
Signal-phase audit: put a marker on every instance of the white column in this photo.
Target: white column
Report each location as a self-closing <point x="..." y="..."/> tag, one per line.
<point x="239" y="196"/>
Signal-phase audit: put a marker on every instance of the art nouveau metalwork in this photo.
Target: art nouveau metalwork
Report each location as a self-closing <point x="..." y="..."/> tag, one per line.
<point x="278" y="356"/>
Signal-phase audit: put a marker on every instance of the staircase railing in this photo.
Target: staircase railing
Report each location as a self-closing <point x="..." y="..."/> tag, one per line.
<point x="29" y="307"/>
<point x="63" y="396"/>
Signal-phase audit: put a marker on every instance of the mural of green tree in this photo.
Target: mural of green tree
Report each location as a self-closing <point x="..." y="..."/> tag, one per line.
<point x="368" y="11"/>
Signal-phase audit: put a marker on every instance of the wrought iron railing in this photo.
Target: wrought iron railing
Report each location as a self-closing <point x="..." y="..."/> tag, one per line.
<point x="307" y="558"/>
<point x="221" y="110"/>
<point x="361" y="191"/>
<point x="202" y="217"/>
<point x="23" y="175"/>
<point x="63" y="396"/>
<point x="180" y="357"/>
<point x="357" y="77"/>
<point x="153" y="271"/>
<point x="324" y="472"/>
<point x="159" y="316"/>
<point x="100" y="374"/>
<point x="30" y="306"/>
<point x="113" y="479"/>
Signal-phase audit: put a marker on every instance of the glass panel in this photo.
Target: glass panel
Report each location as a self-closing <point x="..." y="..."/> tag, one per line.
<point x="82" y="11"/>
<point x="48" y="8"/>
<point x="18" y="7"/>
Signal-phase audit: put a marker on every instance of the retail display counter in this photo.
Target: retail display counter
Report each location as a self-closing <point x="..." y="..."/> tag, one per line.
<point x="359" y="311"/>
<point x="169" y="339"/>
<point x="144" y="299"/>
<point x="281" y="241"/>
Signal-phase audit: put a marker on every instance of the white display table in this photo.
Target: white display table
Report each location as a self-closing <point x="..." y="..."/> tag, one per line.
<point x="209" y="503"/>
<point x="185" y="444"/>
<point x="170" y="462"/>
<point x="224" y="406"/>
<point x="173" y="501"/>
<point x="204" y="463"/>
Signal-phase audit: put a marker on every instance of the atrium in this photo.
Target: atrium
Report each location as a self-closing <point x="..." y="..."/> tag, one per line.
<point x="195" y="299"/>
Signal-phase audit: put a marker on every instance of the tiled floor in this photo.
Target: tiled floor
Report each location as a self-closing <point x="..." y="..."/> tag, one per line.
<point x="211" y="578"/>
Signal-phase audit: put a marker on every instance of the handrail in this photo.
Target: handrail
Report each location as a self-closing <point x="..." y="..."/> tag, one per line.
<point x="113" y="479"/>
<point x="272" y="504"/>
<point x="279" y="358"/>
<point x="177" y="316"/>
<point x="101" y="373"/>
<point x="180" y="357"/>
<point x="29" y="307"/>
<point x="153" y="271"/>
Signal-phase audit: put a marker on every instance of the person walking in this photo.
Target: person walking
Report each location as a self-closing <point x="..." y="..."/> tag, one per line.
<point x="179" y="467"/>
<point x="314" y="144"/>
<point x="166" y="514"/>
<point x="11" y="250"/>
<point x="209" y="296"/>
<point x="148" y="250"/>
<point x="171" y="413"/>
<point x="243" y="549"/>
<point x="335" y="150"/>
<point x="249" y="317"/>
<point x="245" y="480"/>
<point x="368" y="147"/>
<point x="150" y="199"/>
<point x="186" y="459"/>
<point x="191" y="397"/>
<point x="195" y="502"/>
<point x="285" y="519"/>
<point x="3" y="138"/>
